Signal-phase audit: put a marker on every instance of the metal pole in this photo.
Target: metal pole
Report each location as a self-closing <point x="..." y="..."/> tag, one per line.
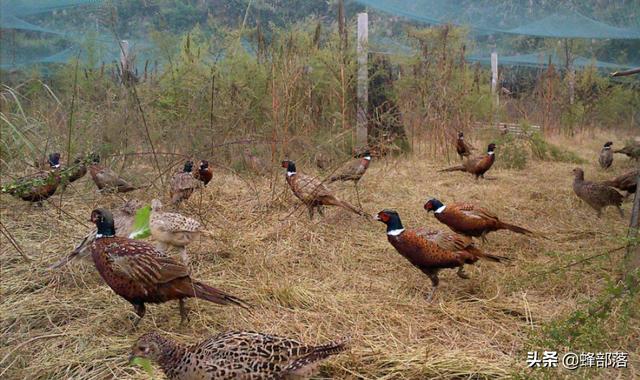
<point x="363" y="79"/>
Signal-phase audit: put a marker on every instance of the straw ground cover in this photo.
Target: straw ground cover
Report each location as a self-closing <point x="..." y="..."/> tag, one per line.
<point x="327" y="278"/>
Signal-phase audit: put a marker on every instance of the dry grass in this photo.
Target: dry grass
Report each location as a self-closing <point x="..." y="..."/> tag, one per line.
<point x="322" y="279"/>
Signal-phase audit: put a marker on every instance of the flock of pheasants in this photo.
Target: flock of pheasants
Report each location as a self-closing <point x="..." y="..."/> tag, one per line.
<point x="142" y="273"/>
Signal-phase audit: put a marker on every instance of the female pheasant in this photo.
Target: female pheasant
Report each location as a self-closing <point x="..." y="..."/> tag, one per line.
<point x="596" y="195"/>
<point x="469" y="220"/>
<point x="139" y="273"/>
<point x="173" y="229"/>
<point x="625" y="182"/>
<point x="313" y="193"/>
<point x="183" y="184"/>
<point x="235" y="355"/>
<point x="431" y="251"/>
<point x="478" y="165"/>
<point x="353" y="171"/>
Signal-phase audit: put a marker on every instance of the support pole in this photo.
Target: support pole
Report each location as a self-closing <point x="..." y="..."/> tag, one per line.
<point x="363" y="80"/>
<point x="494" y="84"/>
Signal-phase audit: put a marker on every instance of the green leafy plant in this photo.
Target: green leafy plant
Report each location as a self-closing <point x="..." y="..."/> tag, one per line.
<point x="141" y="223"/>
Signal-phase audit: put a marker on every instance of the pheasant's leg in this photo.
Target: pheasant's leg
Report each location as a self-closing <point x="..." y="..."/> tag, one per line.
<point x="183" y="255"/>
<point x="311" y="211"/>
<point x="184" y="313"/>
<point x="358" y="196"/>
<point x="599" y="212"/>
<point x="462" y="274"/>
<point x="434" y="282"/>
<point x="483" y="237"/>
<point x="321" y="210"/>
<point x="621" y="212"/>
<point x="140" y="310"/>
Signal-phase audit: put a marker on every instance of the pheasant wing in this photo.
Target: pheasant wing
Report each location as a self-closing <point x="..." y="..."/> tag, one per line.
<point x="145" y="265"/>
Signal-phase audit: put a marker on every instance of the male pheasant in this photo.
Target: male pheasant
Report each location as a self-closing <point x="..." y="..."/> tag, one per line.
<point x="38" y="186"/>
<point x="478" y="165"/>
<point x="204" y="173"/>
<point x="313" y="193"/>
<point x="235" y="355"/>
<point x="141" y="274"/>
<point x="353" y="171"/>
<point x="606" y="155"/>
<point x="432" y="251"/>
<point x="470" y="220"/>
<point x="462" y="148"/>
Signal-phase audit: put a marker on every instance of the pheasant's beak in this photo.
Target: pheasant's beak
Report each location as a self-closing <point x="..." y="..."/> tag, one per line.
<point x="377" y="217"/>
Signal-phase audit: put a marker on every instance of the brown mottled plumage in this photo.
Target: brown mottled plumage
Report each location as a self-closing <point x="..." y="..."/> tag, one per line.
<point x="478" y="165"/>
<point x="123" y="219"/>
<point x="235" y="355"/>
<point x="469" y="220"/>
<point x="204" y="173"/>
<point x="431" y="251"/>
<point x="630" y="150"/>
<point x="106" y="179"/>
<point x="139" y="273"/>
<point x="353" y="170"/>
<point x="183" y="184"/>
<point x="313" y="193"/>
<point x="625" y="182"/>
<point x="596" y="195"/>
<point x="606" y="155"/>
<point x="462" y="148"/>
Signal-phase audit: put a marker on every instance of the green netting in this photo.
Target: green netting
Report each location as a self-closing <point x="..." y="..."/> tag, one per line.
<point x="516" y="17"/>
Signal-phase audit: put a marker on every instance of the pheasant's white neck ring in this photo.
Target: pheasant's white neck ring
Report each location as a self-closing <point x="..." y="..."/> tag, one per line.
<point x="55" y="166"/>
<point x="368" y="158"/>
<point x="289" y="174"/>
<point x="607" y="148"/>
<point x="490" y="153"/>
<point x="98" y="236"/>
<point x="440" y="209"/>
<point x="395" y="232"/>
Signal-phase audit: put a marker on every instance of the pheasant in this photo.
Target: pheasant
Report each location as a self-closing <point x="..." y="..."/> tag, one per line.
<point x="313" y="193"/>
<point x="123" y="219"/>
<point x="204" y="172"/>
<point x="463" y="149"/>
<point x="631" y="150"/>
<point x="106" y="179"/>
<point x="478" y="165"/>
<point x="353" y="171"/>
<point x="38" y="186"/>
<point x="140" y="274"/>
<point x="469" y="220"/>
<point x="606" y="155"/>
<point x="183" y="184"/>
<point x="173" y="229"/>
<point x="596" y="195"/>
<point x="625" y="182"/>
<point x="235" y="355"/>
<point x="432" y="251"/>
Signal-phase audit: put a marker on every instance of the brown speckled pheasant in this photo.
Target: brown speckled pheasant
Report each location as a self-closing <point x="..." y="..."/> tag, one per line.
<point x="478" y="165"/>
<point x="469" y="220"/>
<point x="106" y="179"/>
<point x="123" y="222"/>
<point x="141" y="274"/>
<point x="625" y="182"/>
<point x="173" y="229"/>
<point x="630" y="150"/>
<point x="596" y="195"/>
<point x="353" y="171"/>
<point x="235" y="355"/>
<point x="183" y="184"/>
<point x="462" y="148"/>
<point x="313" y="193"/>
<point x="606" y="155"/>
<point x="431" y="251"/>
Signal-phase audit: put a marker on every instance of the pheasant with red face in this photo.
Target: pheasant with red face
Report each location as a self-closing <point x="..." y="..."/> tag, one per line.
<point x="469" y="220"/>
<point x="141" y="274"/>
<point x="478" y="165"/>
<point x="312" y="192"/>
<point x="431" y="251"/>
<point x="463" y="149"/>
<point x="204" y="173"/>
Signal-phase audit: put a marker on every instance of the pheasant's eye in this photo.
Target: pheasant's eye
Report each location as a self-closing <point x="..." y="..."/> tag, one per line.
<point x="384" y="217"/>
